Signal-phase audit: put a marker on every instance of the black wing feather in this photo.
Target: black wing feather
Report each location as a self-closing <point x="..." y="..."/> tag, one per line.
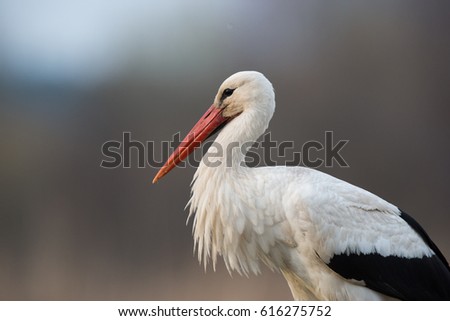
<point x="425" y="278"/>
<point x="419" y="229"/>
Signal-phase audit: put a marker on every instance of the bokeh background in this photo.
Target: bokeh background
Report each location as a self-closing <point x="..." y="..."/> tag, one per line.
<point x="74" y="74"/>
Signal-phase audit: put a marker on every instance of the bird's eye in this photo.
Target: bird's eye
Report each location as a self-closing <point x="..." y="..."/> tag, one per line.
<point x="227" y="93"/>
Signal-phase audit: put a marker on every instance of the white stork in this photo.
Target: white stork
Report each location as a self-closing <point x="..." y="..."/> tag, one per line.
<point x="331" y="240"/>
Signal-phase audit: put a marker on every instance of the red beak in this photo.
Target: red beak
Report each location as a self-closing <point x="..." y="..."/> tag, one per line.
<point x="202" y="130"/>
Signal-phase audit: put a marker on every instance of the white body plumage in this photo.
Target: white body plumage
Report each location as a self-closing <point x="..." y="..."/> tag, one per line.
<point x="288" y="220"/>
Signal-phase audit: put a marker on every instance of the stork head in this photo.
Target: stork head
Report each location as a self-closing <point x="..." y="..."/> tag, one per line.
<point x="242" y="92"/>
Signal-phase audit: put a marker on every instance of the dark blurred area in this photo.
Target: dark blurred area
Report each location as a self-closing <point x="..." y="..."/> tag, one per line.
<point x="75" y="75"/>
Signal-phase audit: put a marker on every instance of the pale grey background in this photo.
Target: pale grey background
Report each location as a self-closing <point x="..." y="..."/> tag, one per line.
<point x="73" y="76"/>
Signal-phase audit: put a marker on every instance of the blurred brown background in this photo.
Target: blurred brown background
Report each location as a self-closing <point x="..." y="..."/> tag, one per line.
<point x="73" y="76"/>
